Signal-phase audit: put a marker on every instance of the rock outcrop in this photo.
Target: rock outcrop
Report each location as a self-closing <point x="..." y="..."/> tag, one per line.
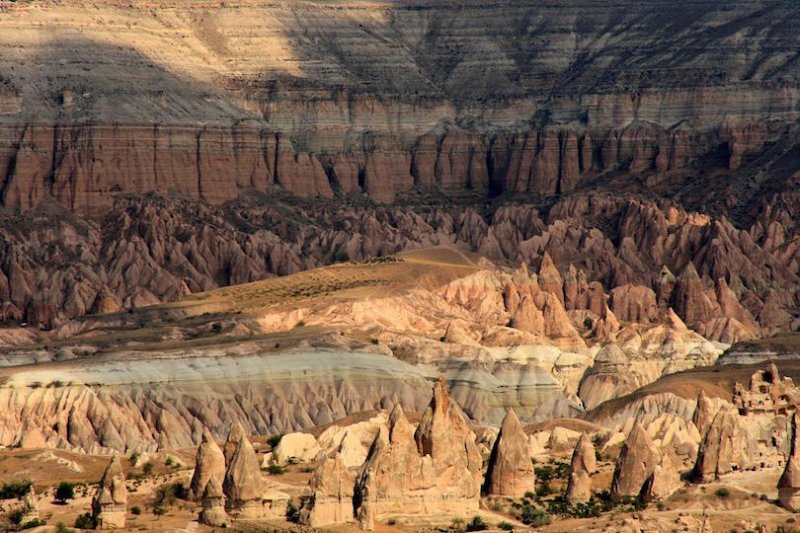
<point x="300" y="447"/>
<point x="110" y="502"/>
<point x="213" y="502"/>
<point x="721" y="449"/>
<point x="236" y="435"/>
<point x="30" y="507"/>
<point x="510" y="470"/>
<point x="209" y="464"/>
<point x="332" y="489"/>
<point x="703" y="413"/>
<point x="789" y="482"/>
<point x="664" y="480"/>
<point x="768" y="393"/>
<point x="583" y="465"/>
<point x="242" y="486"/>
<point x="436" y="469"/>
<point x="636" y="462"/>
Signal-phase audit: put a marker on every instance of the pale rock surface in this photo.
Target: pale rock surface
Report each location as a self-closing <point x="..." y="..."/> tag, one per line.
<point x="636" y="462"/>
<point x="562" y="439"/>
<point x="300" y="447"/>
<point x="331" y="499"/>
<point x="30" y="507"/>
<point x="664" y="480"/>
<point x="352" y="441"/>
<point x="583" y="465"/>
<point x="703" y="413"/>
<point x="789" y="482"/>
<point x="510" y="471"/>
<point x="213" y="502"/>
<point x="110" y="502"/>
<point x="209" y="463"/>
<point x="436" y="469"/>
<point x="243" y="486"/>
<point x="235" y="436"/>
<point x="274" y="504"/>
<point x="720" y="452"/>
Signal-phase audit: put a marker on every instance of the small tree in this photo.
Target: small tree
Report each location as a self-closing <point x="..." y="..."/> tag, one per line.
<point x="477" y="524"/>
<point x="65" y="491"/>
<point x="86" y="521"/>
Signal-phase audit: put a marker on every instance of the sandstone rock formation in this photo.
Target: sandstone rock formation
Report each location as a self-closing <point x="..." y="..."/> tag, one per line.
<point x="789" y="482"/>
<point x="242" y="486"/>
<point x="636" y="462"/>
<point x="510" y="470"/>
<point x="332" y="489"/>
<point x="703" y="413"/>
<point x="30" y="507"/>
<point x="222" y="126"/>
<point x="110" y="502"/>
<point x="583" y="465"/>
<point x="436" y="469"/>
<point x="209" y="464"/>
<point x="721" y="449"/>
<point x="213" y="502"/>
<point x="236" y="435"/>
<point x="301" y="447"/>
<point x="664" y="480"/>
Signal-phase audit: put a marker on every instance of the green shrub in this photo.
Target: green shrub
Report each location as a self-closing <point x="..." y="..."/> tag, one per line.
<point x="292" y="513"/>
<point x="544" y="490"/>
<point x="275" y="470"/>
<point x="341" y="257"/>
<point x="274" y="440"/>
<point x="167" y="494"/>
<point x="65" y="491"/>
<point x="147" y="468"/>
<point x="551" y="471"/>
<point x="86" y="521"/>
<point x="15" y="490"/>
<point x="722" y="492"/>
<point x="62" y="528"/>
<point x="534" y="517"/>
<point x="15" y="516"/>
<point x="30" y="524"/>
<point x="505" y="526"/>
<point x="477" y="524"/>
<point x="136" y="510"/>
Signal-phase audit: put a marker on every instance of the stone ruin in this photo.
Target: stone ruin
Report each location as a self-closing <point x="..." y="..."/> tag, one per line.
<point x="769" y="394"/>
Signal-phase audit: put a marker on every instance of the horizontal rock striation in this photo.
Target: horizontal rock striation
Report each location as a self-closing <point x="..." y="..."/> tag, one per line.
<point x="85" y="166"/>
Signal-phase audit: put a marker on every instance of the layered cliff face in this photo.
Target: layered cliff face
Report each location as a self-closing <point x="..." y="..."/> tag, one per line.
<point x="559" y="111"/>
<point x="381" y="98"/>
